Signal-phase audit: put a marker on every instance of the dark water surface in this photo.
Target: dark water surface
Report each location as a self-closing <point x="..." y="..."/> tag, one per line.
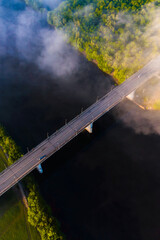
<point x="103" y="186"/>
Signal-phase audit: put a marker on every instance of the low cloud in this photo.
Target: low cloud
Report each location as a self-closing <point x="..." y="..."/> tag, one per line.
<point x="52" y="3"/>
<point x="56" y="56"/>
<point x="141" y="121"/>
<point x="22" y="32"/>
<point x="24" y="36"/>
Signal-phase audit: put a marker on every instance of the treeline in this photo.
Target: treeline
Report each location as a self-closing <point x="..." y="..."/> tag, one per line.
<point x="39" y="215"/>
<point x="9" y="147"/>
<point x="117" y="35"/>
<point x="111" y="33"/>
<point x="36" y="5"/>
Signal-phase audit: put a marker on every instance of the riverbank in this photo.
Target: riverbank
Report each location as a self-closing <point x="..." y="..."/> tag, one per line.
<point x="13" y="218"/>
<point x="39" y="214"/>
<point x="13" y="213"/>
<point x="103" y="185"/>
<point x="88" y="40"/>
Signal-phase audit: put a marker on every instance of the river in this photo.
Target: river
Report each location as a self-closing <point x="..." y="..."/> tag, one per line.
<point x="99" y="186"/>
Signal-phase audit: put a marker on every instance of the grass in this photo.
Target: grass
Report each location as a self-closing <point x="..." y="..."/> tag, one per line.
<point x="13" y="219"/>
<point x="13" y="215"/>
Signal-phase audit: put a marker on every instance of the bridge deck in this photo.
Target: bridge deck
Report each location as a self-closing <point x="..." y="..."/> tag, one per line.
<point x="29" y="161"/>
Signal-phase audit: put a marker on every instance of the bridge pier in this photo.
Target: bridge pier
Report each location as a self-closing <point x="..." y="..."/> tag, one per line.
<point x="131" y="96"/>
<point x="39" y="168"/>
<point x="89" y="128"/>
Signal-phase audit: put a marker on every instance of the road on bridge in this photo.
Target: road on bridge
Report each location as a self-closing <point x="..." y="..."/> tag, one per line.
<point x="10" y="176"/>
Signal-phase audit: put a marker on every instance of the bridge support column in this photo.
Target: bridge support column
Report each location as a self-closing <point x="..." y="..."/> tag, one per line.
<point x="39" y="168"/>
<point x="89" y="128"/>
<point x="131" y="96"/>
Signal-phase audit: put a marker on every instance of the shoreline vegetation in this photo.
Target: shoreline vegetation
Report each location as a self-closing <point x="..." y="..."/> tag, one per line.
<point x="113" y="35"/>
<point x="38" y="212"/>
<point x="13" y="212"/>
<point x="117" y="36"/>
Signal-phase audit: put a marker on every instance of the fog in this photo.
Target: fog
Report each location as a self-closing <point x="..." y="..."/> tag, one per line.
<point x="24" y="36"/>
<point x="43" y="79"/>
<point x="52" y="3"/>
<point x="144" y="122"/>
<point x="56" y="56"/>
<point x="142" y="43"/>
<point x="107" y="181"/>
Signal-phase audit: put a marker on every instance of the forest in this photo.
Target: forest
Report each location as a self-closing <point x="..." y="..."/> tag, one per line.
<point x="117" y="35"/>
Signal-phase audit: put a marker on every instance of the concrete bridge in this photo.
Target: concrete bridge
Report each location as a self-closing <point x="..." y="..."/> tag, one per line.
<point x="13" y="174"/>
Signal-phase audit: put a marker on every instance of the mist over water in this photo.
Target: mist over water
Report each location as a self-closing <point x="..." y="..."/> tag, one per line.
<point x="99" y="186"/>
<point x="39" y="70"/>
<point x="142" y="122"/>
<point x="51" y="4"/>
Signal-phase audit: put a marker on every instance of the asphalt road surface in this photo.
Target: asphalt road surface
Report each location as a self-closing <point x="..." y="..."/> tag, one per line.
<point x="10" y="176"/>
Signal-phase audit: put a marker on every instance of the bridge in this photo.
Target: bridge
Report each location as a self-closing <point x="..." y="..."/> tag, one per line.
<point x="31" y="160"/>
